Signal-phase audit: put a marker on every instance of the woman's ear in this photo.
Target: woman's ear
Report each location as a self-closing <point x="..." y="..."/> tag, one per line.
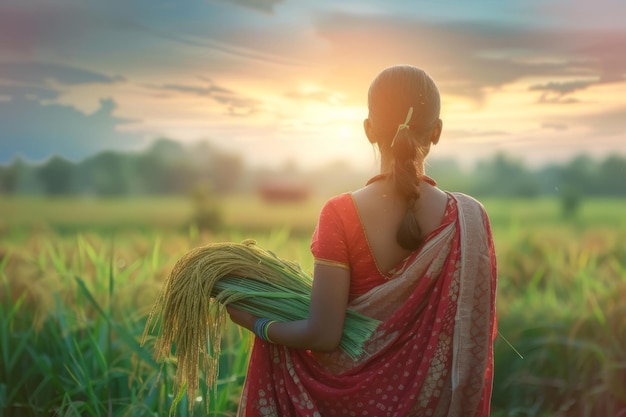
<point x="367" y="126"/>
<point x="436" y="134"/>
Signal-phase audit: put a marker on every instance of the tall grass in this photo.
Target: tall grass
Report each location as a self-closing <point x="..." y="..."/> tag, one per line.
<point x="70" y="322"/>
<point x="74" y="303"/>
<point x="561" y="305"/>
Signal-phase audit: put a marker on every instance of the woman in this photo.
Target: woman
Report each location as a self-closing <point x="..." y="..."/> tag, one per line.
<point x="419" y="259"/>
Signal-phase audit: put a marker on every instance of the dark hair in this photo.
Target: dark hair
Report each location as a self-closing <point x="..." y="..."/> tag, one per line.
<point x="392" y="93"/>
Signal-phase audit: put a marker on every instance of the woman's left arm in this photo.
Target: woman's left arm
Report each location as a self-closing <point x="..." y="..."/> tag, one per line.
<point x="323" y="328"/>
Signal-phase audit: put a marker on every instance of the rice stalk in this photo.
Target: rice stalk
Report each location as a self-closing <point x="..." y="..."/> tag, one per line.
<point x="191" y="306"/>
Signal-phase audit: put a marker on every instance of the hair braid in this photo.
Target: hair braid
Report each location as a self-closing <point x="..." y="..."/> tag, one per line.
<point x="406" y="179"/>
<point x="396" y="90"/>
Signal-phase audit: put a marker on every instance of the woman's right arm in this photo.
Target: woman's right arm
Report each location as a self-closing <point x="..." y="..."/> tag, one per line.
<point x="323" y="328"/>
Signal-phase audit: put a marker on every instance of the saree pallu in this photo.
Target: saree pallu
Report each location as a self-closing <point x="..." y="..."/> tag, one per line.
<point x="431" y="355"/>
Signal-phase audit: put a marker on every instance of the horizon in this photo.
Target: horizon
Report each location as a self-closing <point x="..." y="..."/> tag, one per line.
<point x="292" y="166"/>
<point x="283" y="82"/>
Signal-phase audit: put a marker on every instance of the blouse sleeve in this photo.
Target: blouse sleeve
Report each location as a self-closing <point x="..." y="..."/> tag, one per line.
<point x="329" y="244"/>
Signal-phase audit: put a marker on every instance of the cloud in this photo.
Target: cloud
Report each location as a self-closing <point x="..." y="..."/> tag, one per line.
<point x="556" y="92"/>
<point x="562" y="88"/>
<point x="327" y="97"/>
<point x="32" y="92"/>
<point x="235" y="104"/>
<point x="105" y="33"/>
<point x="455" y="134"/>
<point x="469" y="58"/>
<point x="37" y="131"/>
<point x="71" y="50"/>
<point x="559" y="127"/>
<point x="265" y="6"/>
<point x="65" y="28"/>
<point x="40" y="72"/>
<point x="209" y="91"/>
<point x="606" y="123"/>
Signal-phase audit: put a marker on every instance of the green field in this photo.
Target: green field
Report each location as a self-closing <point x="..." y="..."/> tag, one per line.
<point x="78" y="278"/>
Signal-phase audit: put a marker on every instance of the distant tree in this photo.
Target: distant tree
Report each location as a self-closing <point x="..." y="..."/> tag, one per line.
<point x="227" y="172"/>
<point x="549" y="178"/>
<point x="5" y="181"/>
<point x="166" y="150"/>
<point x="149" y="174"/>
<point x="611" y="178"/>
<point x="449" y="174"/>
<point x="56" y="176"/>
<point x="9" y="176"/>
<point x="571" y="200"/>
<point x="108" y="173"/>
<point x="579" y="176"/>
<point x="505" y="176"/>
<point x="165" y="169"/>
<point x="27" y="177"/>
<point x="206" y="213"/>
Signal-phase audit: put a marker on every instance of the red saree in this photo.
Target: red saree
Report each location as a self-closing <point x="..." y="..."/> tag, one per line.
<point x="431" y="356"/>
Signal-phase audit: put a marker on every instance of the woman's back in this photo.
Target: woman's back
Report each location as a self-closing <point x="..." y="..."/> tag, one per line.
<point x="381" y="210"/>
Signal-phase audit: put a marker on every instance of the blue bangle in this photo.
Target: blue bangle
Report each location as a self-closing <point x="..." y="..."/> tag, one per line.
<point x="261" y="326"/>
<point x="258" y="327"/>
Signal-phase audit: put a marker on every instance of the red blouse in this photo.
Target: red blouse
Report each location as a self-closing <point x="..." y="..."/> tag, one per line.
<point x="339" y="239"/>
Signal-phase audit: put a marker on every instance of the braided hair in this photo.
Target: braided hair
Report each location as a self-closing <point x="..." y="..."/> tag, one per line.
<point x="404" y="105"/>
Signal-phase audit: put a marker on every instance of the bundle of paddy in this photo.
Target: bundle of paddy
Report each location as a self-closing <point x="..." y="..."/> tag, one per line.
<point x="206" y="279"/>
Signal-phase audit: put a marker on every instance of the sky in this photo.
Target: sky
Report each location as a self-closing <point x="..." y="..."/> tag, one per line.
<point x="285" y="81"/>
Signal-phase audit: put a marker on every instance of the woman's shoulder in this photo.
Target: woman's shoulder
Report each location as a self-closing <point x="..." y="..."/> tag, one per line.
<point x="470" y="205"/>
<point x="339" y="200"/>
<point x="340" y="208"/>
<point x="465" y="199"/>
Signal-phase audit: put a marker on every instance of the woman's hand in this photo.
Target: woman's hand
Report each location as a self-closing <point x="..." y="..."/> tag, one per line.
<point x="242" y="318"/>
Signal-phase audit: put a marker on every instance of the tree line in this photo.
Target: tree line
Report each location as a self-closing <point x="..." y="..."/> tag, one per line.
<point x="166" y="167"/>
<point x="506" y="176"/>
<point x="169" y="168"/>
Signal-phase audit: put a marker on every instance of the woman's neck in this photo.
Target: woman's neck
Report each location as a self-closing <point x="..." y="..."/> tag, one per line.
<point x="386" y="163"/>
